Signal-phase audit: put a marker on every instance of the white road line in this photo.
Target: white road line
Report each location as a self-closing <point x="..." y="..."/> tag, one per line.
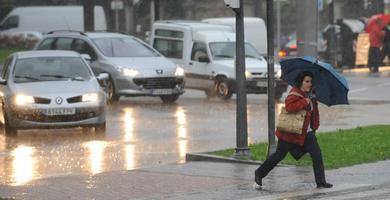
<point x="358" y="90"/>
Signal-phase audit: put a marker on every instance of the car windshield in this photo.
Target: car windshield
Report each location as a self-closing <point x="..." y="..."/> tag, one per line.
<point x="124" y="47"/>
<point x="227" y="50"/>
<point x="50" y="69"/>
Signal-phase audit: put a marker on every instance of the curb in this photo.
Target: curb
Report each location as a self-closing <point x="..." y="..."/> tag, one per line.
<point x="213" y="158"/>
<point x="368" y="101"/>
<point x="365" y="69"/>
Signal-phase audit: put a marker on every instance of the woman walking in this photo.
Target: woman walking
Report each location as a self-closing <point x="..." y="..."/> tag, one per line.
<point x="305" y="142"/>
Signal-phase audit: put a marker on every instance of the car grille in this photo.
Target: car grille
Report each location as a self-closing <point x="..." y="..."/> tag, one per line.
<point x="38" y="116"/>
<point x="158" y="83"/>
<point x="40" y="100"/>
<point x="74" y="99"/>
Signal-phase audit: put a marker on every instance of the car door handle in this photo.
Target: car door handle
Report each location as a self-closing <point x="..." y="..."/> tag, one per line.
<point x="190" y="63"/>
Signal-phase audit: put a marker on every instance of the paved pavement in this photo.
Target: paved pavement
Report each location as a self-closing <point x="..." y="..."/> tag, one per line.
<point x="208" y="180"/>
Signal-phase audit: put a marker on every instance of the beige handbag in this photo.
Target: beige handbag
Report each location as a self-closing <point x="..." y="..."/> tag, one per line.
<point x="291" y="122"/>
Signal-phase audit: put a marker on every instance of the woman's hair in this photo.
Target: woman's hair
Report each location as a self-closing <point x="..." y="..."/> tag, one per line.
<point x="301" y="76"/>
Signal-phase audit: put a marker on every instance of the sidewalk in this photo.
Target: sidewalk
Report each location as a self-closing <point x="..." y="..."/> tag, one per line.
<point x="209" y="180"/>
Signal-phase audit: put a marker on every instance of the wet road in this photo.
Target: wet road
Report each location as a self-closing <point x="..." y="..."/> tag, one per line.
<point x="141" y="132"/>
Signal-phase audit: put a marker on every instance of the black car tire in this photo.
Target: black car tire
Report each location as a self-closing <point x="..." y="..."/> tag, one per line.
<point x="111" y="94"/>
<point x="169" y="98"/>
<point x="224" y="89"/>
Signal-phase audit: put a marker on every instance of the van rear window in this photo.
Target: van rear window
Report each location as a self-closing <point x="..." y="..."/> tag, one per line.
<point x="169" y="33"/>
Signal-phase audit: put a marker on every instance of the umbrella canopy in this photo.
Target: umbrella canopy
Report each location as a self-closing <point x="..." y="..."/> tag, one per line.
<point x="372" y="22"/>
<point x="331" y="88"/>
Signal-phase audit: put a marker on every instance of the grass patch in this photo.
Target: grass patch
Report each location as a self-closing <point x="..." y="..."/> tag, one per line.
<point x="339" y="148"/>
<point x="4" y="53"/>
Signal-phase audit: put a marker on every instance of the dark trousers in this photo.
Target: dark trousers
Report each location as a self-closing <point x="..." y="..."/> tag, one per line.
<point x="311" y="146"/>
<point x="374" y="59"/>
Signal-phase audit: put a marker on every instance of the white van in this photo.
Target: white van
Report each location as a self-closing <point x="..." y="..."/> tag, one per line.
<point x="255" y="30"/>
<point x="48" y="18"/>
<point x="206" y="52"/>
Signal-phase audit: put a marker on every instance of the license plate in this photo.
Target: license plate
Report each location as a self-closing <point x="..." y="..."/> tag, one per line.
<point x="162" y="91"/>
<point x="60" y="111"/>
<point x="262" y="84"/>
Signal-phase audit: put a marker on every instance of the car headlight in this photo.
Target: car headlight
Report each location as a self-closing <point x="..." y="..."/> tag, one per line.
<point x="91" y="97"/>
<point x="279" y="73"/>
<point x="21" y="100"/>
<point x="127" y="72"/>
<point x="179" y="71"/>
<point x="248" y="74"/>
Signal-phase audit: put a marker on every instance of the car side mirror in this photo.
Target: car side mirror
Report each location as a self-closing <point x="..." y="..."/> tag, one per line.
<point x="103" y="76"/>
<point x="86" y="57"/>
<point x="3" y="81"/>
<point x="204" y="59"/>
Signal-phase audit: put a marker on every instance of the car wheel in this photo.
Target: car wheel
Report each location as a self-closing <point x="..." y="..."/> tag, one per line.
<point x="169" y="98"/>
<point x="112" y="96"/>
<point x="224" y="89"/>
<point x="8" y="129"/>
<point x="100" y="128"/>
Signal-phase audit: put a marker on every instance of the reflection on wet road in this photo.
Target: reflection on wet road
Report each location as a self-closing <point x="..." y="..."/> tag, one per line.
<point x="140" y="132"/>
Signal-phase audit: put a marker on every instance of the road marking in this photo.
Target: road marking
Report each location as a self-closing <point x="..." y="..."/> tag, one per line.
<point x="358" y="90"/>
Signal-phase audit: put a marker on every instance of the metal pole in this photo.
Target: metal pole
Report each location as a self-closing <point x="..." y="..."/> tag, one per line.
<point x="278" y="22"/>
<point x="89" y="19"/>
<point x="306" y="23"/>
<point x="242" y="149"/>
<point x="116" y="20"/>
<point x="156" y="10"/>
<point x="271" y="82"/>
<point x="152" y="14"/>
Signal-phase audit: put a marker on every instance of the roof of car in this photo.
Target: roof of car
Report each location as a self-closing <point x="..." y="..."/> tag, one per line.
<point x="46" y="53"/>
<point x="105" y="34"/>
<point x="87" y="34"/>
<point x="195" y="25"/>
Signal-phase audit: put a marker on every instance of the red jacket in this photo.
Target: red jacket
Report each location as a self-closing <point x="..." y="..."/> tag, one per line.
<point x="295" y="103"/>
<point x="376" y="37"/>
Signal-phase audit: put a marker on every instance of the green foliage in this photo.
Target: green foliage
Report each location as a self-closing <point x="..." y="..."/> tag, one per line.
<point x="340" y="148"/>
<point x="4" y="53"/>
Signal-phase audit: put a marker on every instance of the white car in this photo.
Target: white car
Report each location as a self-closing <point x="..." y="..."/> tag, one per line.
<point x="50" y="89"/>
<point x="207" y="54"/>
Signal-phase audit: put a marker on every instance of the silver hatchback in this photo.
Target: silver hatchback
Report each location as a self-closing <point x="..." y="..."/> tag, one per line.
<point x="135" y="68"/>
<point x="50" y="89"/>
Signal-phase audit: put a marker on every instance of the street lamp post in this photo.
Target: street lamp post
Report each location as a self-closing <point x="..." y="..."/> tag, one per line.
<point x="271" y="78"/>
<point x="242" y="149"/>
<point x="89" y="20"/>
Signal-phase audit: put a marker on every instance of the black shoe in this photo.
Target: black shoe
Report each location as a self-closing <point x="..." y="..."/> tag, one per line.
<point x="258" y="178"/>
<point x="324" y="185"/>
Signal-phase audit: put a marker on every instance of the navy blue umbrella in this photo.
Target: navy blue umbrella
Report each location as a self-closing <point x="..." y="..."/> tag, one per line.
<point x="331" y="87"/>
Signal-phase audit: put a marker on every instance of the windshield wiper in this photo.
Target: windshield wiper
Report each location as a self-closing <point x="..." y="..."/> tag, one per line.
<point x="28" y="77"/>
<point x="78" y="78"/>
